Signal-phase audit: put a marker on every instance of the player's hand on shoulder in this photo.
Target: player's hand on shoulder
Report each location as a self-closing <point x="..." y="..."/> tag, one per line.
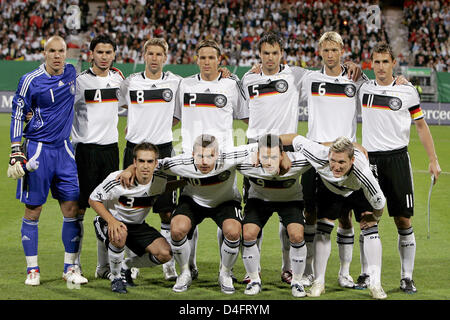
<point x="225" y="72"/>
<point x="285" y="164"/>
<point x="354" y="71"/>
<point x="401" y="80"/>
<point x="256" y="68"/>
<point x="126" y="177"/>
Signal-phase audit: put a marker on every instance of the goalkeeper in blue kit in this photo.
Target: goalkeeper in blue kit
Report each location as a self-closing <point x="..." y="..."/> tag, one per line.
<point x="44" y="160"/>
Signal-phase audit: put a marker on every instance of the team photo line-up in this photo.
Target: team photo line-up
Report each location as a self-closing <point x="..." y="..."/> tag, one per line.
<point x="64" y="138"/>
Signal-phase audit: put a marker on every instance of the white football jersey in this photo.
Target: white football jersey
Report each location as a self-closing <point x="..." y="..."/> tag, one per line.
<point x="211" y="189"/>
<point x="332" y="105"/>
<point x="268" y="187"/>
<point x="386" y="115"/>
<point x="129" y="205"/>
<point x="96" y="108"/>
<point x="151" y="105"/>
<point x="272" y="101"/>
<point x="208" y="107"/>
<point x="360" y="175"/>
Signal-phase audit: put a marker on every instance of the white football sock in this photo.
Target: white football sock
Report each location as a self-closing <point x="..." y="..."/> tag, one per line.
<point x="297" y="254"/>
<point x="322" y="249"/>
<point x="251" y="259"/>
<point x="373" y="254"/>
<point x="229" y="253"/>
<point x="181" y="252"/>
<point x="407" y="250"/>
<point x="345" y="239"/>
<point x="116" y="256"/>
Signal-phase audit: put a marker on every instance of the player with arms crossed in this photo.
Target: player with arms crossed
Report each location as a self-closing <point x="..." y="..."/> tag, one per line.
<point x="150" y="99"/>
<point x="121" y="218"/>
<point x="94" y="131"/>
<point x="272" y="191"/>
<point x="348" y="184"/>
<point x="387" y="111"/>
<point x="48" y="93"/>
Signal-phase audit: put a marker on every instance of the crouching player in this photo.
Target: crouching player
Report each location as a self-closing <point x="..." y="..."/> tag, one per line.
<point x="346" y="183"/>
<point x="121" y="218"/>
<point x="272" y="191"/>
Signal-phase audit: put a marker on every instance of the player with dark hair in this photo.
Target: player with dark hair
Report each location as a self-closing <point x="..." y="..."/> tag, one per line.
<point x="94" y="131"/>
<point x="48" y="93"/>
<point x="387" y="111"/>
<point x="271" y="191"/>
<point x="121" y="218"/>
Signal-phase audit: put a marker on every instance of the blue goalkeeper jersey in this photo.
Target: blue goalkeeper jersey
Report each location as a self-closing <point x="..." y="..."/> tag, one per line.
<point x="50" y="99"/>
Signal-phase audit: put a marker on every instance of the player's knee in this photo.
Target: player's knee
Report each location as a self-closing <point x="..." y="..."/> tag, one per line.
<point x="32" y="212"/>
<point x="164" y="255"/>
<point x="296" y="237"/>
<point x="179" y="227"/>
<point x="232" y="230"/>
<point x="402" y="222"/>
<point x="250" y="232"/>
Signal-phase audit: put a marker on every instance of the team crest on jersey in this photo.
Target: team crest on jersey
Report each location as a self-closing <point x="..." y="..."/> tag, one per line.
<point x="167" y="95"/>
<point x="118" y="94"/>
<point x="220" y="101"/>
<point x="350" y="90"/>
<point x="281" y="86"/>
<point x="395" y="104"/>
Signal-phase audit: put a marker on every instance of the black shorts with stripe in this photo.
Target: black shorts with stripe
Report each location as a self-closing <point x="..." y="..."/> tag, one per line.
<point x="258" y="211"/>
<point x="139" y="237"/>
<point x="333" y="206"/>
<point x="197" y="213"/>
<point x="167" y="201"/>
<point x="94" y="163"/>
<point x="393" y="170"/>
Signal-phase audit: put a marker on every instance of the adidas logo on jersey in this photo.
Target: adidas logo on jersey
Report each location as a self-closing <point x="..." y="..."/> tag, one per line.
<point x="207" y="90"/>
<point x="60" y="83"/>
<point x="153" y="86"/>
<point x="108" y="85"/>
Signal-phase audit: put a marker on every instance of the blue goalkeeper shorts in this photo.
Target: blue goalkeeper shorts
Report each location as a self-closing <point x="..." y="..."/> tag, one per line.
<point x="57" y="172"/>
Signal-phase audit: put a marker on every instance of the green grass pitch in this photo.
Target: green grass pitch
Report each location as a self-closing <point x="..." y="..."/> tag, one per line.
<point x="431" y="272"/>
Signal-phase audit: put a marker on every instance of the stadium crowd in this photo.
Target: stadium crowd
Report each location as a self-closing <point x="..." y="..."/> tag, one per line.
<point x="236" y="25"/>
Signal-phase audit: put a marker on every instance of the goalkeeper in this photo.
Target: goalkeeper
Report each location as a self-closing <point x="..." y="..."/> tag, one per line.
<point x="48" y="93"/>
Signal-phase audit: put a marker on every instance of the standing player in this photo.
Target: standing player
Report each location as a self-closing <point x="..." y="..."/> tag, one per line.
<point x="271" y="191"/>
<point x="48" y="93"/>
<point x="94" y="131"/>
<point x="209" y="102"/>
<point x="150" y="99"/>
<point x="347" y="184"/>
<point x="122" y="212"/>
<point x="387" y="111"/>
